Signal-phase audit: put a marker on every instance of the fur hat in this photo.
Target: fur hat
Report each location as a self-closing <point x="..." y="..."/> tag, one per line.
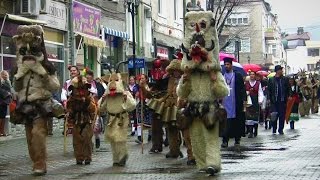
<point x="175" y="65"/>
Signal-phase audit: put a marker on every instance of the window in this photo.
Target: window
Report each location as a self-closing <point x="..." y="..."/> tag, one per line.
<point x="274" y="50"/>
<point x="313" y="52"/>
<point x="8" y="46"/>
<point x="175" y="10"/>
<point x="238" y="19"/>
<point x="245" y="45"/>
<point x="311" y="67"/>
<point x="160" y="6"/>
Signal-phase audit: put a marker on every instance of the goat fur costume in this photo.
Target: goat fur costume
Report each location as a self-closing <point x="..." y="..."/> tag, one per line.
<point x="117" y="103"/>
<point x="34" y="82"/>
<point x="201" y="85"/>
<point x="82" y="112"/>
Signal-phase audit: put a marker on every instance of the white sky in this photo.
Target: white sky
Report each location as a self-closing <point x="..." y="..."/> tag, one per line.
<point x="294" y="13"/>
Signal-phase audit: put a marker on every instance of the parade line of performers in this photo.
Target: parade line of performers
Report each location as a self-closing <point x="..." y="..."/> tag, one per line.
<point x="188" y="98"/>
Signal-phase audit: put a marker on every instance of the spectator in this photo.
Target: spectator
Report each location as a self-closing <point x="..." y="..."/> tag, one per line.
<point x="6" y="92"/>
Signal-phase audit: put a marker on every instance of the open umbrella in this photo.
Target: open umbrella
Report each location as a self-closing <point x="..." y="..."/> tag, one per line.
<point x="236" y="67"/>
<point x="224" y="55"/>
<point x="263" y="73"/>
<point x="271" y="75"/>
<point x="251" y="67"/>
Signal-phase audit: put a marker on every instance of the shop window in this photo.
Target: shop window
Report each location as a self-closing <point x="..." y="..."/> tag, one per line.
<point x="8" y="47"/>
<point x="113" y="50"/>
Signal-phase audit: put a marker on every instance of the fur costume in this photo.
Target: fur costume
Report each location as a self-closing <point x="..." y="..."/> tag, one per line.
<point x="306" y="91"/>
<point x="117" y="103"/>
<point x="34" y="82"/>
<point x="82" y="112"/>
<point x="201" y="85"/>
<point x="169" y="115"/>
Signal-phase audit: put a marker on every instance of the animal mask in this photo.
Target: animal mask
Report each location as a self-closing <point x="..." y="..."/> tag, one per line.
<point x="31" y="48"/>
<point x="159" y="69"/>
<point x="115" y="83"/>
<point x="79" y="87"/>
<point x="201" y="44"/>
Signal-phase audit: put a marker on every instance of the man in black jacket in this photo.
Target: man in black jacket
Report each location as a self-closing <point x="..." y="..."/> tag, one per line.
<point x="278" y="94"/>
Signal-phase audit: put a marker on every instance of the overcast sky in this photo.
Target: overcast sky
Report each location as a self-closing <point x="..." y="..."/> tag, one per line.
<point x="295" y="13"/>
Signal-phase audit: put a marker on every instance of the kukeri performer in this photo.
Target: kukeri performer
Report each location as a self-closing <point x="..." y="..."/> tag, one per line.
<point x="157" y="93"/>
<point x="202" y="85"/>
<point x="82" y="113"/>
<point x="34" y="81"/>
<point x="117" y="102"/>
<point x="170" y="118"/>
<point x="315" y="98"/>
<point x="306" y="91"/>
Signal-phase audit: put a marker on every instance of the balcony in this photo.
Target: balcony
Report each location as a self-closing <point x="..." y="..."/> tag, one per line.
<point x="269" y="59"/>
<point x="270" y="34"/>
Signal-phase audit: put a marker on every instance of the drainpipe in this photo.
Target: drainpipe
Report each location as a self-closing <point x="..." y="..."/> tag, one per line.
<point x="71" y="34"/>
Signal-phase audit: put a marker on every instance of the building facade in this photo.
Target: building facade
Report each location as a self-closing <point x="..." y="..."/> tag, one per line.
<point x="256" y="27"/>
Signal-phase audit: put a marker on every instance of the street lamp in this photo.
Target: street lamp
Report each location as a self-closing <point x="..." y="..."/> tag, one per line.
<point x="133" y="9"/>
<point x="249" y="59"/>
<point x="237" y="41"/>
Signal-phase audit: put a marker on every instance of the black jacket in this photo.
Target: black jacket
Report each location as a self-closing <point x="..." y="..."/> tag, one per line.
<point x="272" y="89"/>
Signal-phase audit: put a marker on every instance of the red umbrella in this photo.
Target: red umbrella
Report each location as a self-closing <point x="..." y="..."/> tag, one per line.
<point x="263" y="73"/>
<point x="224" y="55"/>
<point x="252" y="67"/>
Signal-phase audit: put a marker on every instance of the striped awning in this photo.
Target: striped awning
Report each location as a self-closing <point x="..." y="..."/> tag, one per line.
<point x="113" y="32"/>
<point x="92" y="41"/>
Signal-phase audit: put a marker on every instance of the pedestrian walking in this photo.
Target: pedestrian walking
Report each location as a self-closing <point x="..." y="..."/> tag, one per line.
<point x="234" y="105"/>
<point x="254" y="90"/>
<point x="278" y="93"/>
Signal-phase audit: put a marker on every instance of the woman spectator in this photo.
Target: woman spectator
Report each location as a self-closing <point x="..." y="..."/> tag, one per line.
<point x="134" y="90"/>
<point x="6" y="92"/>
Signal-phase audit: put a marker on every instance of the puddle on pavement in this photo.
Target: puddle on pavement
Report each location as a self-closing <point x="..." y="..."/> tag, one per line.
<point x="234" y="156"/>
<point x="168" y="170"/>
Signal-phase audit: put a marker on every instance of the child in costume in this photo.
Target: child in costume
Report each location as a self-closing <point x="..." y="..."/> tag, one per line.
<point x="117" y="102"/>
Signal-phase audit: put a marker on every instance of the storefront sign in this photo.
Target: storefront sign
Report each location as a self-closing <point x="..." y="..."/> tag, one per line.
<point x="139" y="63"/>
<point x="86" y="19"/>
<point x="162" y="52"/>
<point x="56" y="16"/>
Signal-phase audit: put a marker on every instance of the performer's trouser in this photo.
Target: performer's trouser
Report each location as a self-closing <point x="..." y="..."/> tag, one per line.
<point x="119" y="151"/>
<point x="50" y="125"/>
<point x="187" y="140"/>
<point x="279" y="107"/>
<point x="82" y="143"/>
<point x="157" y="133"/>
<point x="315" y="105"/>
<point x="174" y="140"/>
<point x="205" y="145"/>
<point x="304" y="108"/>
<point x="36" y="133"/>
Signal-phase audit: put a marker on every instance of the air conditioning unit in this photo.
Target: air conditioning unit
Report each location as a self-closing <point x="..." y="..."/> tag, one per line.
<point x="43" y="6"/>
<point x="29" y="7"/>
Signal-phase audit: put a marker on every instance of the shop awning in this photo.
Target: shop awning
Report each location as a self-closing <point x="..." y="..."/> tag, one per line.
<point x="24" y="19"/>
<point x="92" y="41"/>
<point x="113" y="32"/>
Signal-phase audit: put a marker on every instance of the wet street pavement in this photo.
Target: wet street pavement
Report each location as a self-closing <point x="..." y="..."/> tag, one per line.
<point x="294" y="155"/>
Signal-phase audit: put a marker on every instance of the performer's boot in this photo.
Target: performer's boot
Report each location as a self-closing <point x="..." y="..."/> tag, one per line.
<point x="36" y="133"/>
<point x="250" y="127"/>
<point x="255" y="133"/>
<point x="186" y="136"/>
<point x="174" y="142"/>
